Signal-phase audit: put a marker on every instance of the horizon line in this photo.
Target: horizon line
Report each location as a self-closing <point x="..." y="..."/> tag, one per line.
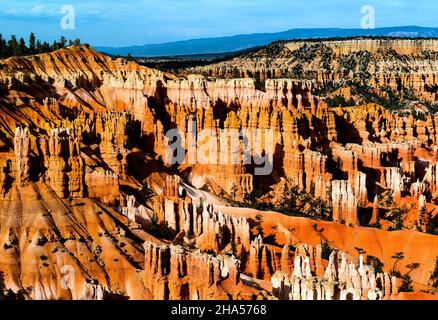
<point x="261" y="33"/>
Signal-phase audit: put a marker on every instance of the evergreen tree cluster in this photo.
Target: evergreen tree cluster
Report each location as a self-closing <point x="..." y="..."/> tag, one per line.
<point x="18" y="47"/>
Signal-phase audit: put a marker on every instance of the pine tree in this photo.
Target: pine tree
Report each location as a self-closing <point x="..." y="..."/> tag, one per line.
<point x="406" y="284"/>
<point x="32" y="44"/>
<point x="1" y="46"/>
<point x="12" y="46"/>
<point x="62" y="42"/>
<point x="22" y="49"/>
<point x="4" y="52"/>
<point x="39" y="47"/>
<point x="46" y="47"/>
<point x="54" y="46"/>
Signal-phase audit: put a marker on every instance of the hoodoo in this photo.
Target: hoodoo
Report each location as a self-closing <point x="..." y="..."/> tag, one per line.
<point x="90" y="208"/>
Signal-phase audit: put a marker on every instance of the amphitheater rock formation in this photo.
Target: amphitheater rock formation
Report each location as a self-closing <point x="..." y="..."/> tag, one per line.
<point x="278" y="195"/>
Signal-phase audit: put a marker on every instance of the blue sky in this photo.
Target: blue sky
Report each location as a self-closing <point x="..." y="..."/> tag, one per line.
<point x="124" y="22"/>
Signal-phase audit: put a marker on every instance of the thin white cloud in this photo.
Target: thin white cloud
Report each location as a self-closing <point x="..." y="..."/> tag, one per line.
<point x="44" y="10"/>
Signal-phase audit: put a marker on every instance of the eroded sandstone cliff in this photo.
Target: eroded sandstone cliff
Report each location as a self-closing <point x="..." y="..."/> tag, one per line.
<point x="91" y="208"/>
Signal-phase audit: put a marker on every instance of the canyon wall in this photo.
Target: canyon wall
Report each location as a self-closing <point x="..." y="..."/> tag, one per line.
<point x="88" y="187"/>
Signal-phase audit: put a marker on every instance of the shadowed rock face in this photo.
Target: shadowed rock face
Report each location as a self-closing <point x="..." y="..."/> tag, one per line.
<point x="90" y="209"/>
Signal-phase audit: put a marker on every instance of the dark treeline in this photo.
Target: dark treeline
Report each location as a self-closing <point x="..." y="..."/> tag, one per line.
<point x="18" y="47"/>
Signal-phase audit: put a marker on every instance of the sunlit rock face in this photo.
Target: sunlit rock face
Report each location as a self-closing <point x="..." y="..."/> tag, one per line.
<point x="91" y="208"/>
<point x="342" y="280"/>
<point x="382" y="63"/>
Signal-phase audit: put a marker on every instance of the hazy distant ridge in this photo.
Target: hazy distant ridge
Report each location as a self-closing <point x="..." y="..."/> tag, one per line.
<point x="241" y="42"/>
